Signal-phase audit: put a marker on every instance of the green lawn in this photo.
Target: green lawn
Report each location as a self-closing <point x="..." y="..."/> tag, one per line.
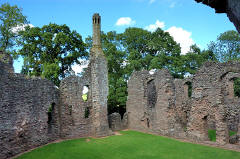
<point x="130" y="145"/>
<point x="212" y="134"/>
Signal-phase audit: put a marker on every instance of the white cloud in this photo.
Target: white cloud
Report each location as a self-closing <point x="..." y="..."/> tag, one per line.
<point x="79" y="68"/>
<point x="20" y="28"/>
<point x="181" y="36"/>
<point x="125" y="21"/>
<point x="151" y="1"/>
<point x="153" y="27"/>
<point x="172" y="5"/>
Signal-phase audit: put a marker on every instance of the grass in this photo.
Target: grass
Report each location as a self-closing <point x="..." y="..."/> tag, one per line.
<point x="130" y="145"/>
<point x="212" y="134"/>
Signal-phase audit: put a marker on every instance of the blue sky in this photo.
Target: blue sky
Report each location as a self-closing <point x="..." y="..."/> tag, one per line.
<point x="187" y="21"/>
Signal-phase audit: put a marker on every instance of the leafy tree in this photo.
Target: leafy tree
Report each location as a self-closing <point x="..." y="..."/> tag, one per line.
<point x="227" y="46"/>
<point x="50" y="51"/>
<point x="194" y="59"/>
<point x="10" y="17"/>
<point x="146" y="50"/>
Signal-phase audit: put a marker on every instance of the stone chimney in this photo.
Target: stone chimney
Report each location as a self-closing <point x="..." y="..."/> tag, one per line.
<point x="96" y="20"/>
<point x="99" y="82"/>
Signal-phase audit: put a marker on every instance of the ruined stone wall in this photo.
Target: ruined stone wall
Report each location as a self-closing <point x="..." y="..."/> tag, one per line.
<point x="116" y="123"/>
<point x="151" y="103"/>
<point x="183" y="101"/>
<point x="75" y="120"/>
<point x="231" y="102"/>
<point x="6" y="62"/>
<point x="137" y="101"/>
<point x="211" y="100"/>
<point x="160" y="104"/>
<point x="24" y="118"/>
<point x="33" y="111"/>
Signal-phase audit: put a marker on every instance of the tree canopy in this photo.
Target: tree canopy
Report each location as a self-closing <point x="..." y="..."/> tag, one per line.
<point x="51" y="51"/>
<point x="10" y="17"/>
<point x="227" y="46"/>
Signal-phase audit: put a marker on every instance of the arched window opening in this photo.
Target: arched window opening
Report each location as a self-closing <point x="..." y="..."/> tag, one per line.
<point x="151" y="94"/>
<point x="188" y="89"/>
<point x="95" y="20"/>
<point x="50" y="112"/>
<point x="86" y="113"/>
<point x="236" y="87"/>
<point x="70" y="109"/>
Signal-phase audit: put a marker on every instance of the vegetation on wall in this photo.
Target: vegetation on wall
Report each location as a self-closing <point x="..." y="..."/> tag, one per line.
<point x="237" y="87"/>
<point x="212" y="134"/>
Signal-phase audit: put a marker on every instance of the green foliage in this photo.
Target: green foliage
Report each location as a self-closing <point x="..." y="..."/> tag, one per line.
<point x="194" y="59"/>
<point x="227" y="46"/>
<point x="10" y="17"/>
<point x="212" y="134"/>
<point x="237" y="87"/>
<point x="150" y="50"/>
<point x="129" y="145"/>
<point x="189" y="89"/>
<point x="85" y="97"/>
<point x="50" y="109"/>
<point x="51" y="51"/>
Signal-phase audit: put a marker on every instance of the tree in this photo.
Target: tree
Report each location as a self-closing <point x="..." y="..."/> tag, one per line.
<point x="150" y="50"/>
<point x="50" y="51"/>
<point x="194" y="59"/>
<point x="10" y="18"/>
<point x="227" y="46"/>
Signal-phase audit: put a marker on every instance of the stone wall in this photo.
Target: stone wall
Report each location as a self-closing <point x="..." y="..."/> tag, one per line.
<point x="151" y="104"/>
<point x="160" y="104"/>
<point x="24" y="113"/>
<point x="213" y="99"/>
<point x="33" y="111"/>
<point x="6" y="63"/>
<point x="76" y="116"/>
<point x="116" y="123"/>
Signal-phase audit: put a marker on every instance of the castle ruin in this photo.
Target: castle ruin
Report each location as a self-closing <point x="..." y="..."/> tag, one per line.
<point x="34" y="112"/>
<point x="160" y="104"/>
